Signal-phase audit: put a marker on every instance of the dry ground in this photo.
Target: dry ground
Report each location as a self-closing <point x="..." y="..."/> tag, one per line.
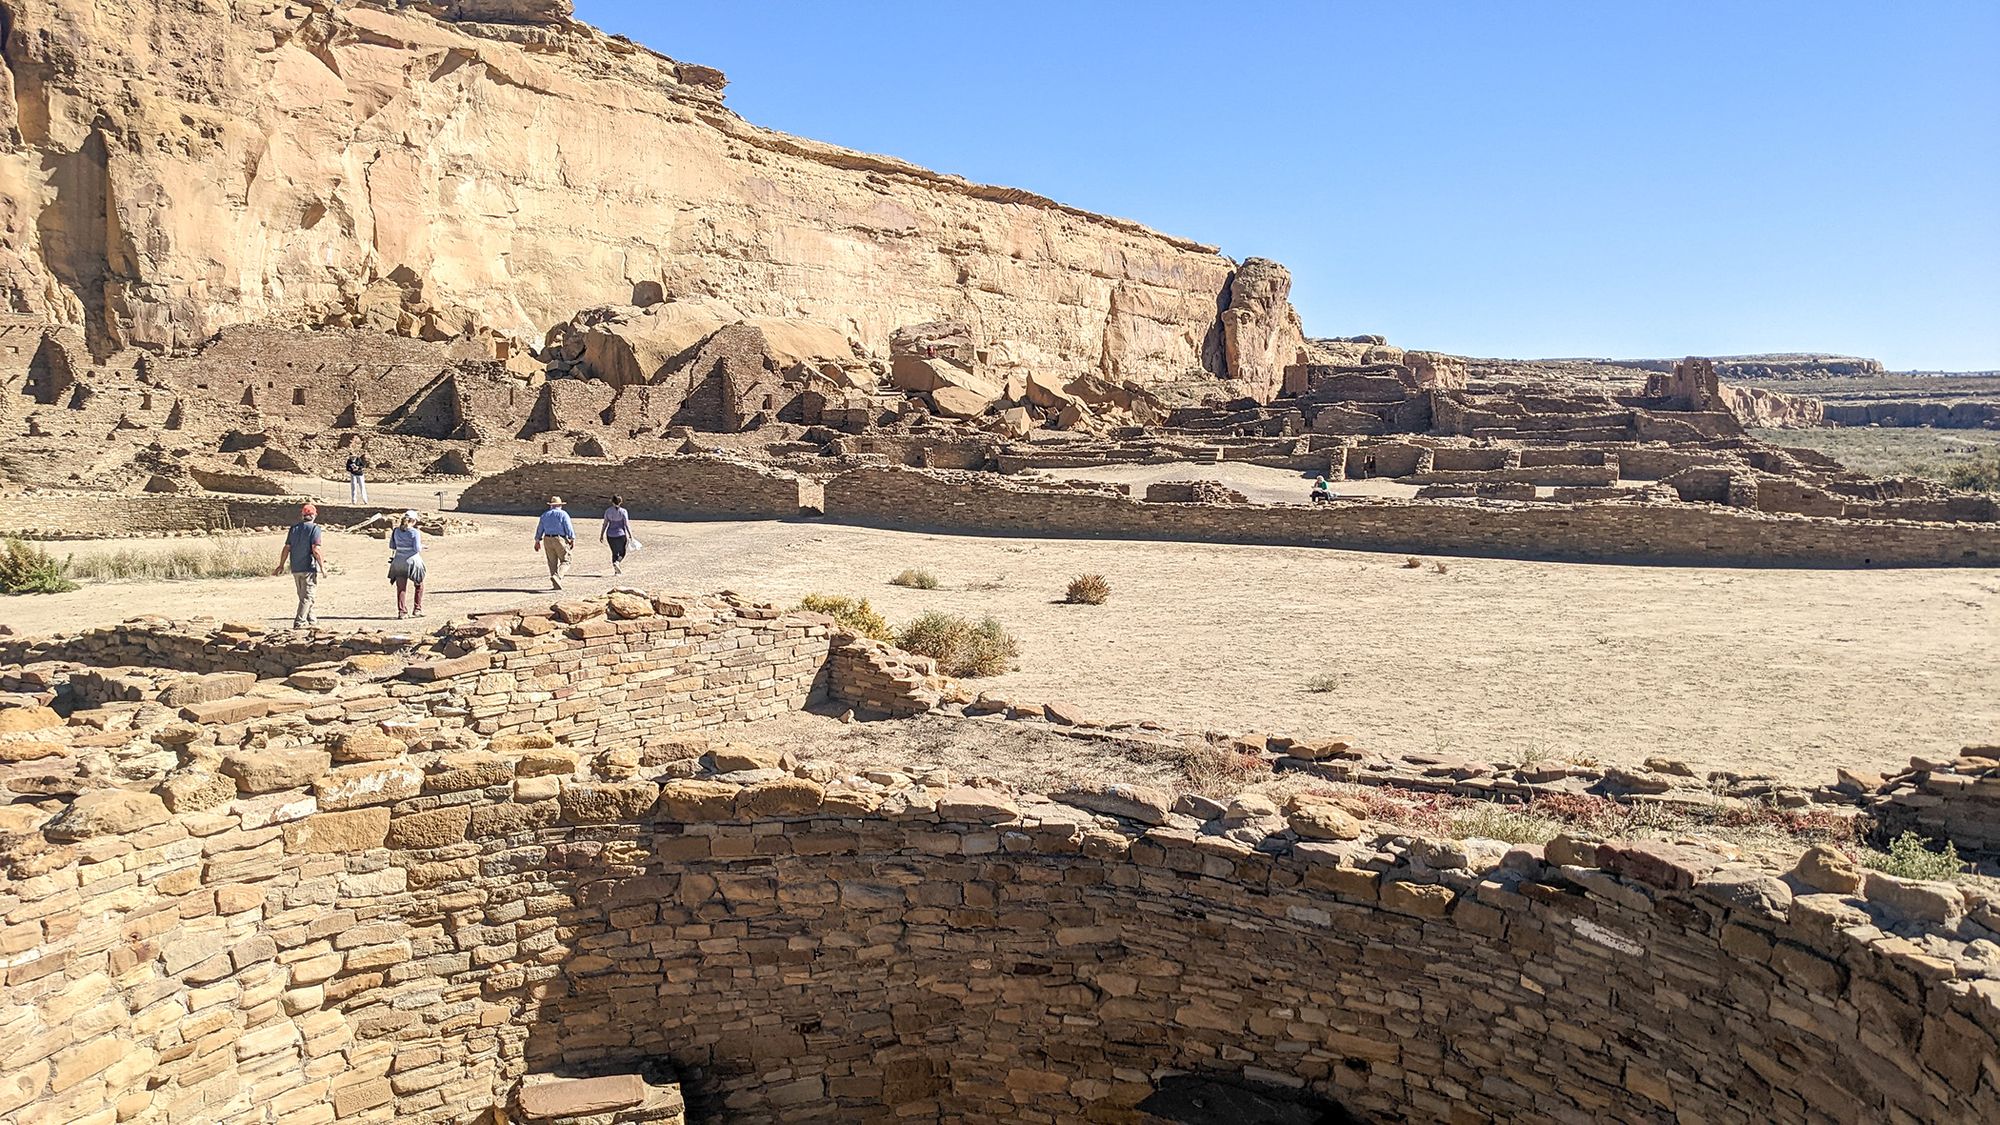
<point x="1787" y="671"/>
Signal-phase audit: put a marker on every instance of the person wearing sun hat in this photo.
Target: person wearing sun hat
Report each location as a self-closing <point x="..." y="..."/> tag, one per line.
<point x="406" y="564"/>
<point x="302" y="552"/>
<point x="555" y="537"/>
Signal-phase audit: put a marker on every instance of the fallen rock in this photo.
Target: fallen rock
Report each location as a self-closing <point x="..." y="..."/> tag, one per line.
<point x="1320" y="819"/>
<point x="1828" y="870"/>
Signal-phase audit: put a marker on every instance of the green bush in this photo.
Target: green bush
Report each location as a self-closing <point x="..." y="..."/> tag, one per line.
<point x="853" y="614"/>
<point x="1979" y="474"/>
<point x="32" y="570"/>
<point x="1909" y="857"/>
<point x="961" y="646"/>
<point x="1089" y="589"/>
<point x="916" y="579"/>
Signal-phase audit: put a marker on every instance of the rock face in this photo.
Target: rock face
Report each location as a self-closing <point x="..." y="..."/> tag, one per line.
<point x="1261" y="332"/>
<point x="175" y="166"/>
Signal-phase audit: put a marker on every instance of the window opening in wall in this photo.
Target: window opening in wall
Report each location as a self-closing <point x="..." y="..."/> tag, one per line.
<point x="298" y="396"/>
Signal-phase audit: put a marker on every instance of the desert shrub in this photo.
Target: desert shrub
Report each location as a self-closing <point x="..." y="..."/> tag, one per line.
<point x="26" y="569"/>
<point x="1909" y="857"/>
<point x="1324" y="682"/>
<point x="1413" y="563"/>
<point x="217" y="560"/>
<point x="916" y="579"/>
<point x="1088" y="589"/>
<point x="852" y="614"/>
<point x="961" y="646"/>
<point x="1980" y="473"/>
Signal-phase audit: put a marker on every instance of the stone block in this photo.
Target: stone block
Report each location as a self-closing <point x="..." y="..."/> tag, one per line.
<point x="1424" y="900"/>
<point x="785" y="796"/>
<point x="433" y="829"/>
<point x="552" y="1099"/>
<point x="694" y="800"/>
<point x="338" y="833"/>
<point x="106" y="812"/>
<point x="584" y="803"/>
<point x="349" y="787"/>
<point x="273" y="771"/>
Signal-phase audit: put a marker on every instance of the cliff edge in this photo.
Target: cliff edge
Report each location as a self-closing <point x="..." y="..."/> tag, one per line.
<point x="171" y="167"/>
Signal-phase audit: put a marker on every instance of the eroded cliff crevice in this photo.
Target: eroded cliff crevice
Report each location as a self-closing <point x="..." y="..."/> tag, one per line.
<point x="524" y="167"/>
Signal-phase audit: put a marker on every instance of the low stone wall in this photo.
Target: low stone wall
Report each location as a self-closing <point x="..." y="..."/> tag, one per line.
<point x="691" y="486"/>
<point x="290" y="938"/>
<point x="1602" y="476"/>
<point x="1955" y="800"/>
<point x="54" y="514"/>
<point x="1638" y="532"/>
<point x="415" y="887"/>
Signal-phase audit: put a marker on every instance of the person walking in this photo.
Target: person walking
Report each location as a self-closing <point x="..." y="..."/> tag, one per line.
<point x="357" y="478"/>
<point x="302" y="553"/>
<point x="555" y="537"/>
<point x="406" y="565"/>
<point x="616" y="532"/>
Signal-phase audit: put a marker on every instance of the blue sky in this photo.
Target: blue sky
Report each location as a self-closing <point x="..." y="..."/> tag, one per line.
<point x="1494" y="178"/>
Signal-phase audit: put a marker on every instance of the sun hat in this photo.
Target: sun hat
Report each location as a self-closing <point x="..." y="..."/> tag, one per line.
<point x="411" y="515"/>
<point x="555" y="501"/>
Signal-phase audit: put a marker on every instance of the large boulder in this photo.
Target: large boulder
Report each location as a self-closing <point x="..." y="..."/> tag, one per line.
<point x="1261" y="333"/>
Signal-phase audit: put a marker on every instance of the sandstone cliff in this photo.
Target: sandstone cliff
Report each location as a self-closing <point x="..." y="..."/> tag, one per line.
<point x="175" y="166"/>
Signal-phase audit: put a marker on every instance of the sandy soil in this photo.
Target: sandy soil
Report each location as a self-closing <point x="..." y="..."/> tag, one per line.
<point x="1793" y="672"/>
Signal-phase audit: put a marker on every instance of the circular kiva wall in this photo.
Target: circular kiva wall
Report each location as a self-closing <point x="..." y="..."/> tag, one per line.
<point x="405" y="939"/>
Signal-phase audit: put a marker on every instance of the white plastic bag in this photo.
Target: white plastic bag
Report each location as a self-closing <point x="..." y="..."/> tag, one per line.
<point x="632" y="543"/>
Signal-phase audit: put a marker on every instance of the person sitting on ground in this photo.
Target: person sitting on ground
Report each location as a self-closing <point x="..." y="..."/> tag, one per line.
<point x="302" y="552"/>
<point x="555" y="537"/>
<point x="616" y="532"/>
<point x="406" y="565"/>
<point x="1322" y="490"/>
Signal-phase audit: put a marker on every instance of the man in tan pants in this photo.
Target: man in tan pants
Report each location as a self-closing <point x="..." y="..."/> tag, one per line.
<point x="555" y="537"/>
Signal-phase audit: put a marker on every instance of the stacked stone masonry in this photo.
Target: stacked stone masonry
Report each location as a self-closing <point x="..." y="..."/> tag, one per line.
<point x="1632" y="532"/>
<point x="667" y="487"/>
<point x="394" y="888"/>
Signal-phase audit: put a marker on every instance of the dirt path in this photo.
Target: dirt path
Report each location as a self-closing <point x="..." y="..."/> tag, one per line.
<point x="1753" y="670"/>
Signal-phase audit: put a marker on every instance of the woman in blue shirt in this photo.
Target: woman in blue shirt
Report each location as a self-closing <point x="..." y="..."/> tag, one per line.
<point x="406" y="564"/>
<point x="617" y="532"/>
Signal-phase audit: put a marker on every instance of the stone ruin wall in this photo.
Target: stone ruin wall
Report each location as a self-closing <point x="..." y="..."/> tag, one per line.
<point x="674" y="486"/>
<point x="370" y="914"/>
<point x="1649" y="533"/>
<point x="75" y="514"/>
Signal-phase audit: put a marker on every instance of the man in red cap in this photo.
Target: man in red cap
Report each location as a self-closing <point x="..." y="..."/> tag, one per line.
<point x="302" y="545"/>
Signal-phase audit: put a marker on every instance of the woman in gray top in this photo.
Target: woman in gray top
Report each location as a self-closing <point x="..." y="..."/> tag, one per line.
<point x="616" y="532"/>
<point x="406" y="564"/>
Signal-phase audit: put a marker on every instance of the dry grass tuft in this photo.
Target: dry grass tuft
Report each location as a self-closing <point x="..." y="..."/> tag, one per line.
<point x="180" y="563"/>
<point x="916" y="578"/>
<point x="1088" y="589"/>
<point x="1324" y="683"/>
